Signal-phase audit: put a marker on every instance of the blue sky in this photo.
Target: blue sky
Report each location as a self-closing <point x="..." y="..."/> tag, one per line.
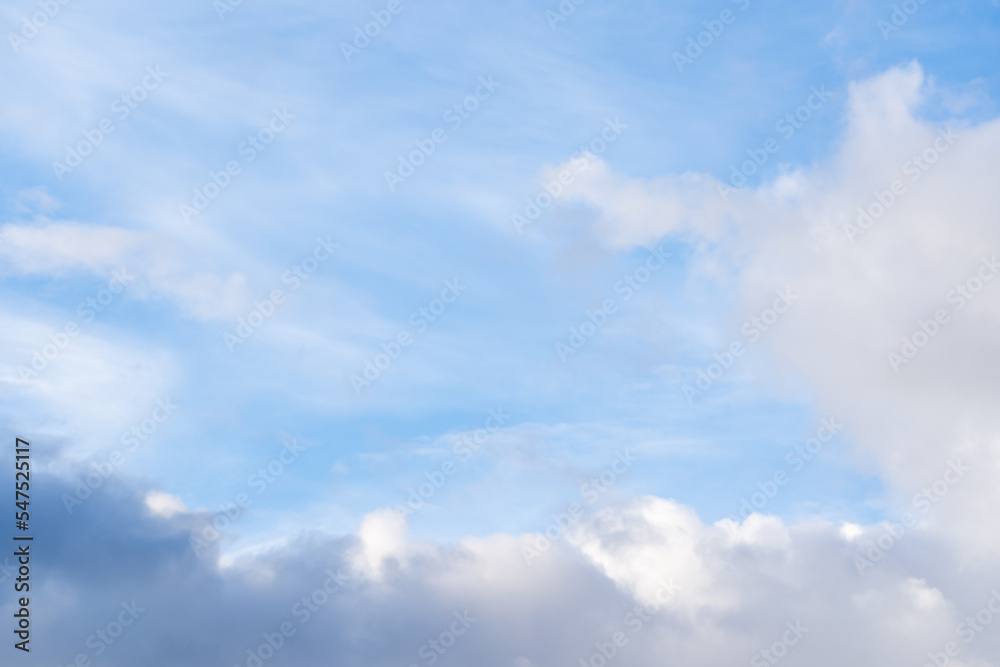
<point x="687" y="122"/>
<point x="494" y="347"/>
<point x="321" y="179"/>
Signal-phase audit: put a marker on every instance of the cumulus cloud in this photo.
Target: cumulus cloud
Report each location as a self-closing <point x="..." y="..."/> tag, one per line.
<point x="812" y="593"/>
<point x="898" y="227"/>
<point x="677" y="590"/>
<point x="164" y="504"/>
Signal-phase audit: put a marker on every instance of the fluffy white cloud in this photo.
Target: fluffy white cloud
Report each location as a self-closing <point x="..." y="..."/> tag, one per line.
<point x="898" y="226"/>
<point x="379" y="598"/>
<point x="677" y="590"/>
<point x="164" y="504"/>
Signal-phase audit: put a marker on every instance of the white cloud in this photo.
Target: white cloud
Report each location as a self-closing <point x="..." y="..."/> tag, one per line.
<point x="162" y="266"/>
<point x="88" y="388"/>
<point x="164" y="504"/>
<point x="737" y="590"/>
<point x="860" y="298"/>
<point x="381" y="536"/>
